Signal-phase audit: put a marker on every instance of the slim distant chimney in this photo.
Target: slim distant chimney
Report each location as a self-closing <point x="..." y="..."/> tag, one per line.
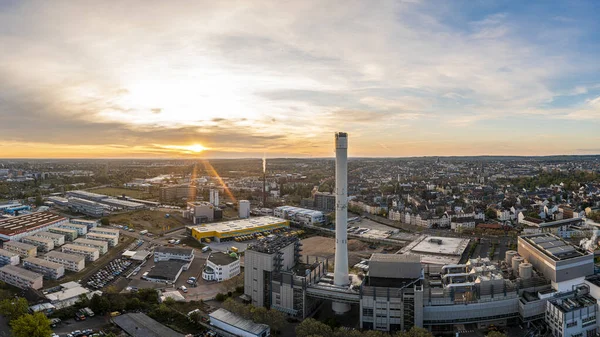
<point x="340" y="277"/>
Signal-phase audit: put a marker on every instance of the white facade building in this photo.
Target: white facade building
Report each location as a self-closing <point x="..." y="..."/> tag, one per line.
<point x="8" y="257"/>
<point x="221" y="266"/>
<point x="72" y="262"/>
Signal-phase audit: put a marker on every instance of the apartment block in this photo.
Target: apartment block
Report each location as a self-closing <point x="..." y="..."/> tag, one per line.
<point x="81" y="229"/>
<point x="72" y="262"/>
<point x="21" y="278"/>
<point x="102" y="246"/>
<point x="89" y="223"/>
<point x="58" y="239"/>
<point x="105" y="231"/>
<point x="23" y="249"/>
<point x="50" y="270"/>
<point x="90" y="253"/>
<point x="42" y="244"/>
<point x="70" y="234"/>
<point x="111" y="239"/>
<point x="8" y="257"/>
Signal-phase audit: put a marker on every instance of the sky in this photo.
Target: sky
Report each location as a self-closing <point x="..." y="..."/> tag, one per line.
<point x="231" y="79"/>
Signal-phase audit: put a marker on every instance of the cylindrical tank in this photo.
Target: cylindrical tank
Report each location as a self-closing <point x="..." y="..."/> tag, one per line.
<point x="525" y="270"/>
<point x="516" y="261"/>
<point x="244" y="209"/>
<point x="508" y="257"/>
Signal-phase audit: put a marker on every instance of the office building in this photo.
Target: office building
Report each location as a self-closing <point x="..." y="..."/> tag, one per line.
<point x="88" y="207"/>
<point x="58" y="239"/>
<point x="69" y="234"/>
<point x="299" y="215"/>
<point x="221" y="266"/>
<point x="23" y="249"/>
<point x="90" y="253"/>
<point x="111" y="239"/>
<point x="72" y="262"/>
<point x="50" y="270"/>
<point x="8" y="257"/>
<point x="80" y="228"/>
<point x="200" y="211"/>
<point x="229" y="230"/>
<point x="42" y="244"/>
<point x="177" y="192"/>
<point x="14" y="228"/>
<point x="324" y="201"/>
<point x="572" y="313"/>
<point x="236" y="325"/>
<point x="214" y="196"/>
<point x="21" y="278"/>
<point x="102" y="246"/>
<point x="162" y="253"/>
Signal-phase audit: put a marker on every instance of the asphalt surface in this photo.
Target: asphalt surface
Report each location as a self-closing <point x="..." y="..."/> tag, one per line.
<point x="96" y="323"/>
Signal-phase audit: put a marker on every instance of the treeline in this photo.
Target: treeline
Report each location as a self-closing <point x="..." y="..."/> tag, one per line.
<point x="571" y="180"/>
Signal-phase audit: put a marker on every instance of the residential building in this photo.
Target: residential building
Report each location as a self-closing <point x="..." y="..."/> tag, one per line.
<point x="177" y="192"/>
<point x="21" y="278"/>
<point x="221" y="266"/>
<point x="17" y="227"/>
<point x="80" y="228"/>
<point x="23" y="249"/>
<point x="70" y="234"/>
<point x="58" y="239"/>
<point x="50" y="270"/>
<point x="324" y="201"/>
<point x="102" y="246"/>
<point x="214" y="196"/>
<point x="8" y="257"/>
<point x="90" y="253"/>
<point x="72" y="262"/>
<point x="89" y="223"/>
<point x="105" y="231"/>
<point x="111" y="239"/>
<point x="42" y="244"/>
<point x="236" y="325"/>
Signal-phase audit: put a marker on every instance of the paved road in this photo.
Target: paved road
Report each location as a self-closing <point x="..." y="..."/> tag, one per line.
<point x="96" y="323"/>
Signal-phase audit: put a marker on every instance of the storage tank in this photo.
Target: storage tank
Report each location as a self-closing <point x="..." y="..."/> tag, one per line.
<point x="525" y="270"/>
<point x="509" y="256"/>
<point x="516" y="261"/>
<point x="244" y="209"/>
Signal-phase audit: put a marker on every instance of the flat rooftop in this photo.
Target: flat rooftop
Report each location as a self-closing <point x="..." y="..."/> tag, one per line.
<point x="573" y="302"/>
<point x="65" y="256"/>
<point x="20" y="245"/>
<point x="80" y="248"/>
<point x="38" y="239"/>
<point x="49" y="235"/>
<point x="87" y="194"/>
<point x="91" y="242"/>
<point x="553" y="246"/>
<point x="120" y="202"/>
<point x="228" y="226"/>
<point x="27" y="222"/>
<point x="4" y="252"/>
<point x="441" y="245"/>
<point x="43" y="263"/>
<point x="238" y="322"/>
<point x="221" y="259"/>
<point x="174" y="250"/>
<point x="103" y="230"/>
<point x="140" y="325"/>
<point x="272" y="245"/>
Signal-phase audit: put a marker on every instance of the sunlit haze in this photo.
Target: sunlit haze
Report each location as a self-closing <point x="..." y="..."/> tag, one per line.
<point x="230" y="79"/>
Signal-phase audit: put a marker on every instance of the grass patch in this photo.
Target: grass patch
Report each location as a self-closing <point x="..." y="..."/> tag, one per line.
<point x="193" y="243"/>
<point x="118" y="192"/>
<point x="153" y="221"/>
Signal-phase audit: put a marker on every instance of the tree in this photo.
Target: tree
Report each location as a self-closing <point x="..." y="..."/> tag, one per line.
<point x="133" y="304"/>
<point x="36" y="325"/>
<point x="12" y="308"/>
<point x="39" y="201"/>
<point x="375" y="333"/>
<point x="414" y="332"/>
<point x="311" y="326"/>
<point x="99" y="304"/>
<point x="104" y="221"/>
<point x="490" y="214"/>
<point x="347" y="333"/>
<point x="495" y="334"/>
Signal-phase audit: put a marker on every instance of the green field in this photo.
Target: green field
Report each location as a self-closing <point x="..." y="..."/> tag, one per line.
<point x="117" y="192"/>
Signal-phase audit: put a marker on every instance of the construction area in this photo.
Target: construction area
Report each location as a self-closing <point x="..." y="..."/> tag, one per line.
<point x="154" y="221"/>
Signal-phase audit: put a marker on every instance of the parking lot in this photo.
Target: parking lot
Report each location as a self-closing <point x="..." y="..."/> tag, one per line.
<point x="95" y="323"/>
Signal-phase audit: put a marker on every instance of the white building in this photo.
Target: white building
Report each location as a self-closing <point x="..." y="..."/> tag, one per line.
<point x="23" y="249"/>
<point x="8" y="257"/>
<point x="105" y="231"/>
<point x="72" y="262"/>
<point x="214" y="196"/>
<point x="299" y="215"/>
<point x="50" y="270"/>
<point x="70" y="234"/>
<point x="102" y="246"/>
<point x="89" y="223"/>
<point x="111" y="239"/>
<point x="80" y="228"/>
<point x="58" y="239"/>
<point x="173" y="253"/>
<point x="21" y="278"/>
<point x="221" y="266"/>
<point x="69" y="294"/>
<point x="244" y="209"/>
<point x="88" y="207"/>
<point x="200" y="211"/>
<point x="90" y="253"/>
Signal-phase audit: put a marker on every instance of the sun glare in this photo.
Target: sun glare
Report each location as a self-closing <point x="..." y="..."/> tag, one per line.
<point x="196" y="148"/>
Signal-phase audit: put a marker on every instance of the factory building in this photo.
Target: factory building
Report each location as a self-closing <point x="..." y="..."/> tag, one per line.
<point x="87" y="207"/>
<point x="8" y="257"/>
<point x="89" y="223"/>
<point x="111" y="239"/>
<point x="42" y="244"/>
<point x="58" y="239"/>
<point x="221" y="266"/>
<point x="21" y="278"/>
<point x="90" y="253"/>
<point x="50" y="270"/>
<point x="572" y="313"/>
<point x="177" y="192"/>
<point x="102" y="246"/>
<point x="80" y="228"/>
<point x="69" y="234"/>
<point x="23" y="249"/>
<point x="15" y="228"/>
<point x="299" y="215"/>
<point x="72" y="262"/>
<point x="231" y="229"/>
<point x="162" y="253"/>
<point x="199" y="212"/>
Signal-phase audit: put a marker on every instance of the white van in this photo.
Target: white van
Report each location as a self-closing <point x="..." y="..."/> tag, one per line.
<point x="183" y="288"/>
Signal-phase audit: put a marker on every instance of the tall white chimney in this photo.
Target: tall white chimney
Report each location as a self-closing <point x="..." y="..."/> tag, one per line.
<point x="340" y="277"/>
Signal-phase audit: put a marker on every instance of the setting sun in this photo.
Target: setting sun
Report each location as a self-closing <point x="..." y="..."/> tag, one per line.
<point x="196" y="148"/>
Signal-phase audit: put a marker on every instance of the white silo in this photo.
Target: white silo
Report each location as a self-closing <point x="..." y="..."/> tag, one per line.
<point x="516" y="261"/>
<point x="244" y="209"/>
<point x="525" y="270"/>
<point x="509" y="256"/>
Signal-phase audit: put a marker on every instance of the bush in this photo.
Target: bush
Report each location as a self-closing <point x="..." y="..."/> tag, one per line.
<point x="221" y="297"/>
<point x="229" y="293"/>
<point x="239" y="290"/>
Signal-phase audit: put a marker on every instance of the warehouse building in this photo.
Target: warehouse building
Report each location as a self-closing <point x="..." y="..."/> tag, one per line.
<point x="69" y="234"/>
<point x="89" y="223"/>
<point x="91" y="254"/>
<point x="166" y="271"/>
<point x="63" y="202"/>
<point x="221" y="266"/>
<point x="86" y="195"/>
<point x="21" y="278"/>
<point x="8" y="257"/>
<point x="87" y="207"/>
<point x="122" y="204"/>
<point x="162" y="253"/>
<point x="80" y="228"/>
<point x="111" y="239"/>
<point x="23" y="249"/>
<point x="58" y="239"/>
<point x="14" y="228"/>
<point x="72" y="262"/>
<point x="50" y="270"/>
<point x="42" y="244"/>
<point x="140" y="325"/>
<point x="223" y="231"/>
<point x="237" y="325"/>
<point x="102" y="246"/>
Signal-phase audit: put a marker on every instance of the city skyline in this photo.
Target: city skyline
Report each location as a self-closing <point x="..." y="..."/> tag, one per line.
<point x="253" y="79"/>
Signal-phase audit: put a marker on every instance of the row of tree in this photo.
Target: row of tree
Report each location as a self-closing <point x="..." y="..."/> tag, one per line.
<point x="22" y="323"/>
<point x="273" y="318"/>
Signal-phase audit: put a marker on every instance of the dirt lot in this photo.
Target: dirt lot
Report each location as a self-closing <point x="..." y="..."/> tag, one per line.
<point x="325" y="247"/>
<point x="117" y="192"/>
<point x="154" y="221"/>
